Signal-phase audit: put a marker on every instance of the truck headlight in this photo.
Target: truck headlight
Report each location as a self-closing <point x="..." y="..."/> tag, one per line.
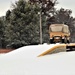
<point x="63" y="37"/>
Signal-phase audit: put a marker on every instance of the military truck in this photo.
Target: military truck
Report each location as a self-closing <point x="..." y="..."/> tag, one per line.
<point x="59" y="33"/>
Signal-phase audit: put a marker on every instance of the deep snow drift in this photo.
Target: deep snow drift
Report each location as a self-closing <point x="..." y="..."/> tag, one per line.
<point x="24" y="61"/>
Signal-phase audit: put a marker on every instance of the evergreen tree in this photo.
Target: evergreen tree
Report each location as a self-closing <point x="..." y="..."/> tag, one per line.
<point x="23" y="26"/>
<point x="2" y="28"/>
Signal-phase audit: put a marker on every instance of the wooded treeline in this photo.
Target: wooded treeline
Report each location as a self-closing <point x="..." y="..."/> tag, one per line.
<point x="21" y="25"/>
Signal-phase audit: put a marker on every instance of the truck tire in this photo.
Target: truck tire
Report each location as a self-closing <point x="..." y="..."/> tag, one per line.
<point x="51" y="41"/>
<point x="68" y="41"/>
<point x="63" y="40"/>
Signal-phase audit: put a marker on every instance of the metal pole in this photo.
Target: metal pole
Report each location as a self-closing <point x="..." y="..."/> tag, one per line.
<point x="40" y="28"/>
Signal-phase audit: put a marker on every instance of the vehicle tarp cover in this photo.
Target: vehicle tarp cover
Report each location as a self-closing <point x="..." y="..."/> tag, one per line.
<point x="59" y="28"/>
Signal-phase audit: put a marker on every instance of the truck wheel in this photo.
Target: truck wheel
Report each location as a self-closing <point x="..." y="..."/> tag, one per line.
<point x="68" y="41"/>
<point x="63" y="40"/>
<point x="51" y="41"/>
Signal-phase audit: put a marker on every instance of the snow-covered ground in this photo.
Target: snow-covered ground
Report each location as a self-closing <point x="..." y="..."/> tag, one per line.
<point x="24" y="61"/>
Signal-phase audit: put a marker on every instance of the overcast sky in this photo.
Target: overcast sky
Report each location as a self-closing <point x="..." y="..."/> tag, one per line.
<point x="67" y="4"/>
<point x="5" y="5"/>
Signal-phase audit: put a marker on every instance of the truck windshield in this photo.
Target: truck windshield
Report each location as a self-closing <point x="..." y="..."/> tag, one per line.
<point x="56" y="28"/>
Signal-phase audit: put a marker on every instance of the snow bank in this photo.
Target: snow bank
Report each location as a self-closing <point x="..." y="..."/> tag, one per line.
<point x="24" y="61"/>
<point x="29" y="51"/>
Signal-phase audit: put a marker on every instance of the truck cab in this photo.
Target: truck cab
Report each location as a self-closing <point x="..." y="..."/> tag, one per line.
<point x="59" y="33"/>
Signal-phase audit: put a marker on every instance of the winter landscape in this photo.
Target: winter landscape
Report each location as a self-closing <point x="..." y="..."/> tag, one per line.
<point x="35" y="36"/>
<point x="25" y="61"/>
